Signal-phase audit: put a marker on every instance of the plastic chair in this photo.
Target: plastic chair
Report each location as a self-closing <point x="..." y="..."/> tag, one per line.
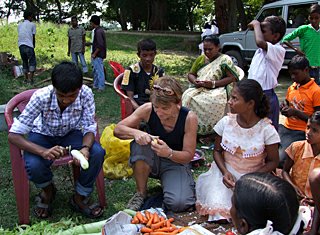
<point x="20" y="179"/>
<point x="116" y="68"/>
<point x="125" y="102"/>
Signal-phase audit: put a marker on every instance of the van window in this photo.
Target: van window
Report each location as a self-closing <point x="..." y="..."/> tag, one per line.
<point x="277" y="11"/>
<point x="298" y="15"/>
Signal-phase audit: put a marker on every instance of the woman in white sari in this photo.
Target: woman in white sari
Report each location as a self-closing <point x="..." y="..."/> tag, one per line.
<point x="211" y="76"/>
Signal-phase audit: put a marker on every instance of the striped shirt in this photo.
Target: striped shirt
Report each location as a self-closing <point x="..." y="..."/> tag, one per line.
<point x="42" y="114"/>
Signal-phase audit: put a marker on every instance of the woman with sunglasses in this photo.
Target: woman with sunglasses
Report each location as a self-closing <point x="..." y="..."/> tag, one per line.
<point x="165" y="151"/>
<point x="211" y="77"/>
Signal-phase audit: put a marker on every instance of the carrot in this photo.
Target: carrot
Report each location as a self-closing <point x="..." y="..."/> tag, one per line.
<point x="162" y="218"/>
<point x="168" y="224"/>
<point x="165" y="229"/>
<point x="157" y="225"/>
<point x="146" y="230"/>
<point x="156" y="218"/>
<point x="150" y="220"/>
<point x="147" y="214"/>
<point x="162" y="233"/>
<point x="135" y="220"/>
<point x="141" y="217"/>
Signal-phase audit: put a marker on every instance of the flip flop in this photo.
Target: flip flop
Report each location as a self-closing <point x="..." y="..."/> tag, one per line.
<point x="46" y="206"/>
<point x="88" y="209"/>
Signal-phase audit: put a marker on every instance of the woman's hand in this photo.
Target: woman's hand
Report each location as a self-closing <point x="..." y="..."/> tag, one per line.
<point x="142" y="138"/>
<point x="161" y="148"/>
<point x="53" y="153"/>
<point x="228" y="180"/>
<point x="205" y="84"/>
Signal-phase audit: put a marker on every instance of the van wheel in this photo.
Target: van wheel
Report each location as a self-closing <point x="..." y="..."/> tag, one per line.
<point x="236" y="58"/>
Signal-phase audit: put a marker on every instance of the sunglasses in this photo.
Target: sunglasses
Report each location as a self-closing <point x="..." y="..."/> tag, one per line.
<point x="166" y="91"/>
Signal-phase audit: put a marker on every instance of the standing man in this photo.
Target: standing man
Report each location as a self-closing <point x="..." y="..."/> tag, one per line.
<point x="27" y="43"/>
<point x="98" y="53"/>
<point x="76" y="43"/>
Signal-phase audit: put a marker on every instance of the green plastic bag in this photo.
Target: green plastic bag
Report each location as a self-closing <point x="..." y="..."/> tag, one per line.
<point x="115" y="165"/>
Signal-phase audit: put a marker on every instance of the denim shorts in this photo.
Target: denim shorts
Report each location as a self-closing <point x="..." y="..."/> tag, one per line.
<point x="28" y="58"/>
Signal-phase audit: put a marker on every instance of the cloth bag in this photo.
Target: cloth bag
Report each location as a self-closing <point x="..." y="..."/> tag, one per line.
<point x="115" y="165"/>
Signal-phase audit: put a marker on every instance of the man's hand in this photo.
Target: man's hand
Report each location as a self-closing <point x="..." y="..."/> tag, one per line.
<point x="160" y="148"/>
<point x="253" y="24"/>
<point x="288" y="112"/>
<point x="53" y="153"/>
<point x="142" y="138"/>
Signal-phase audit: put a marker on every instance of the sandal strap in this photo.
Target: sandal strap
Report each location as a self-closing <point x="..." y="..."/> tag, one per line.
<point x="39" y="202"/>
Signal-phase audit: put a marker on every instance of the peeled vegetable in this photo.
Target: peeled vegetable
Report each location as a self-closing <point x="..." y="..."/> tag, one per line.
<point x="83" y="161"/>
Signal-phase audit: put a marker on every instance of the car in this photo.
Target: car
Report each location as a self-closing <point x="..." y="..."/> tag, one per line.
<point x="241" y="45"/>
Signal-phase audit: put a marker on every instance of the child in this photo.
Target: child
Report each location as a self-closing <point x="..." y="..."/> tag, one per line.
<point x="56" y="116"/>
<point x="303" y="158"/>
<point x="76" y="43"/>
<point x="302" y="99"/>
<point x="268" y="59"/>
<point x="138" y="79"/>
<point x="309" y="37"/>
<point x="246" y="142"/>
<point x="263" y="204"/>
<point x="314" y="179"/>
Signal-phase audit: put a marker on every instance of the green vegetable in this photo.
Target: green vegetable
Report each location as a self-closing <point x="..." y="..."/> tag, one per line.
<point x="130" y="212"/>
<point x="85" y="228"/>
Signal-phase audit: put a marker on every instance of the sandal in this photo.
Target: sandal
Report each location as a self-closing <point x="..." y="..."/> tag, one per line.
<point x="86" y="209"/>
<point x="47" y="207"/>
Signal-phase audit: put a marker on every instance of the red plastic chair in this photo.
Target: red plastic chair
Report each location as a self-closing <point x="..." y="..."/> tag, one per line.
<point x="20" y="179"/>
<point x="125" y="102"/>
<point x="116" y="68"/>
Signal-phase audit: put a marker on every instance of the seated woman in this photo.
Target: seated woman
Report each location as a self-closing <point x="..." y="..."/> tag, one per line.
<point x="246" y="142"/>
<point x="271" y="207"/>
<point x="212" y="75"/>
<point x="166" y="150"/>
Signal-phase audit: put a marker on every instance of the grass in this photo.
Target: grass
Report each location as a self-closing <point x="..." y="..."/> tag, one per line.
<point x="51" y="47"/>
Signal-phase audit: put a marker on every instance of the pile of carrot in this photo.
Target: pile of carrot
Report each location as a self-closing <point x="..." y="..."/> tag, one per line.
<point x="155" y="224"/>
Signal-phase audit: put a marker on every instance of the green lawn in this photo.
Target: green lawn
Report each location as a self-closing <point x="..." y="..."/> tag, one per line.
<point x="51" y="48"/>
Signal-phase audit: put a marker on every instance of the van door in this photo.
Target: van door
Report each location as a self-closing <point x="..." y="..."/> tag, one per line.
<point x="250" y="43"/>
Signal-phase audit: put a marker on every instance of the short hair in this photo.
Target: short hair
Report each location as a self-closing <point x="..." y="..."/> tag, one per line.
<point x="299" y="62"/>
<point x="270" y="198"/>
<point x="250" y="89"/>
<point x="146" y="45"/>
<point x="212" y="38"/>
<point x="27" y="14"/>
<point x="315" y="118"/>
<point x="74" y="18"/>
<point x="95" y="19"/>
<point x="277" y="25"/>
<point x="158" y="97"/>
<point x="315" y="8"/>
<point x="66" y="77"/>
<point x="207" y="26"/>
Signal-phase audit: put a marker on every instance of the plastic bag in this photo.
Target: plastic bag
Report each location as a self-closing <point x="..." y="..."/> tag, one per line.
<point x="115" y="165"/>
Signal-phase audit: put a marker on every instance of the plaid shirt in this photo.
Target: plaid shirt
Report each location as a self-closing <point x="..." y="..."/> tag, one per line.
<point x="42" y="114"/>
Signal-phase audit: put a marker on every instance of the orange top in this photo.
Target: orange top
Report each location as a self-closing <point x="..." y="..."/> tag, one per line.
<point x="304" y="98"/>
<point x="304" y="162"/>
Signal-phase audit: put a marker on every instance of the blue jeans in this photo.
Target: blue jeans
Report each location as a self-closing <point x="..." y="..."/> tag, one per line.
<point x="314" y="73"/>
<point x="28" y="58"/>
<point x="38" y="168"/>
<point x="83" y="62"/>
<point x="98" y="73"/>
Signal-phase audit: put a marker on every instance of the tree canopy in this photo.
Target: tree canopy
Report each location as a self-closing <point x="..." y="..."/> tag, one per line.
<point x="188" y="15"/>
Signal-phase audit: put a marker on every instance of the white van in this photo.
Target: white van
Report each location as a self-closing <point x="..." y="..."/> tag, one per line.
<point x="241" y="45"/>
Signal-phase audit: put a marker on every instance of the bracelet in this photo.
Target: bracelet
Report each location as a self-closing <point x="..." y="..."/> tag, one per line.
<point x="85" y="146"/>
<point x="213" y="84"/>
<point x="171" y="154"/>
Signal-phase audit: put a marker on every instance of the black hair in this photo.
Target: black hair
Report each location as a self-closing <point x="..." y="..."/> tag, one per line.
<point x="277" y="25"/>
<point x="299" y="62"/>
<point x="74" y="18"/>
<point x="95" y="19"/>
<point x="66" y="77"/>
<point x="146" y="45"/>
<point x="27" y="14"/>
<point x="315" y="118"/>
<point x="212" y="38"/>
<point x="259" y="197"/>
<point x="207" y="26"/>
<point x="315" y="8"/>
<point x="250" y="89"/>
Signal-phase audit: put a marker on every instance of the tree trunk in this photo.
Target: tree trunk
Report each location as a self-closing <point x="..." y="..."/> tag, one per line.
<point x="158" y="15"/>
<point x="224" y="10"/>
<point x="242" y="15"/>
<point x="59" y="10"/>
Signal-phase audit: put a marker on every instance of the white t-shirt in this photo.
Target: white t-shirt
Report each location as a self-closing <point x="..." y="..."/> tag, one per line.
<point x="26" y="30"/>
<point x="265" y="65"/>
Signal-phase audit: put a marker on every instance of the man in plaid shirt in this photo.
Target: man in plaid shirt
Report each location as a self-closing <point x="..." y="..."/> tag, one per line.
<point x="57" y="116"/>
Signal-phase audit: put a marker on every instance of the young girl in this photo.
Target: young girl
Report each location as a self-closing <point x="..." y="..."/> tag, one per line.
<point x="246" y="142"/>
<point x="271" y="207"/>
<point x="303" y="157"/>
